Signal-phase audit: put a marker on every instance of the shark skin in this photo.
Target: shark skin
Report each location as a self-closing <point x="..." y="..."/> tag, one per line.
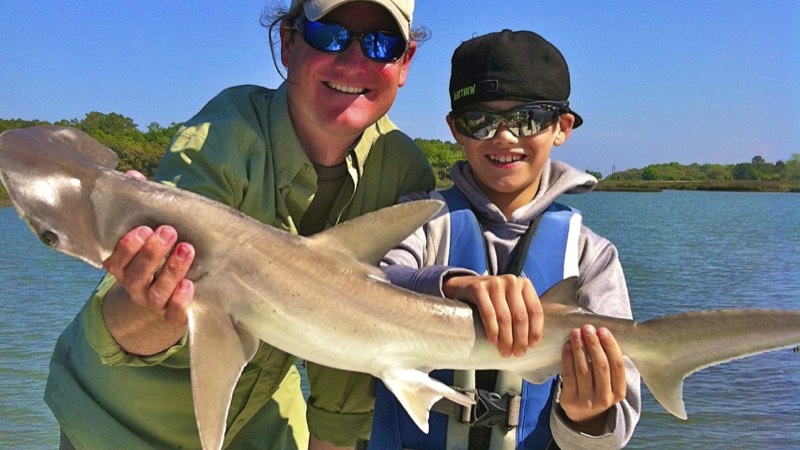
<point x="329" y="303"/>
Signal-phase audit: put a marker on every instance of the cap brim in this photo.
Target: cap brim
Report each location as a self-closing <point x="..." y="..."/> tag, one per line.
<point x="317" y="9"/>
<point x="578" y="119"/>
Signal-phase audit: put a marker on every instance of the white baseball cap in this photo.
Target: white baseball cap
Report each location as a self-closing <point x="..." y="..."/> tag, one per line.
<point x="401" y="10"/>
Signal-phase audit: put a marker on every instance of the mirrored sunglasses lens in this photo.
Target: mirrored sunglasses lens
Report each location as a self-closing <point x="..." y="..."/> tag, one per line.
<point x="382" y="46"/>
<point x="478" y="124"/>
<point x="530" y="121"/>
<point x="327" y="37"/>
<point x="525" y="121"/>
<point x="334" y="38"/>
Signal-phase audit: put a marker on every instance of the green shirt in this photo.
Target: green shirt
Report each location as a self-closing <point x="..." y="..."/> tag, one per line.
<point x="241" y="150"/>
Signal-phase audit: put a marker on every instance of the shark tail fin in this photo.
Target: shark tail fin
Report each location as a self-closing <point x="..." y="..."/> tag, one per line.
<point x="679" y="345"/>
<point x="417" y="392"/>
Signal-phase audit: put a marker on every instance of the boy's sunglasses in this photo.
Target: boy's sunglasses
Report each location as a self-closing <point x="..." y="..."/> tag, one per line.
<point x="523" y="120"/>
<point x="331" y="37"/>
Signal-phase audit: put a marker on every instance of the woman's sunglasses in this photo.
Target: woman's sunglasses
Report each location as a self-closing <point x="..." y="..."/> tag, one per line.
<point x="524" y="120"/>
<point x="331" y="37"/>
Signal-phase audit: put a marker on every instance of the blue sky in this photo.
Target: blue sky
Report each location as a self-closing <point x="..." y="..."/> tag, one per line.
<point x="687" y="81"/>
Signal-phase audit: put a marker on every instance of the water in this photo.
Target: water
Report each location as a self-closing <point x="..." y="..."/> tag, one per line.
<point x="40" y="292"/>
<point x="685" y="251"/>
<point x="680" y="250"/>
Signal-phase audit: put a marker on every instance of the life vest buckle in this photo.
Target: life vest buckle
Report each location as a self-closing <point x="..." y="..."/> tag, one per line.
<point x="492" y="409"/>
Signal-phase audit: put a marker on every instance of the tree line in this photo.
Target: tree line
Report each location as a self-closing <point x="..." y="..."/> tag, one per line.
<point x="142" y="150"/>
<point x="756" y="170"/>
<point x="136" y="149"/>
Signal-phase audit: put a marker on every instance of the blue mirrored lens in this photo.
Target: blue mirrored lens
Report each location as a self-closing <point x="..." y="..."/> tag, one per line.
<point x="328" y="37"/>
<point x="382" y="46"/>
<point x="333" y="37"/>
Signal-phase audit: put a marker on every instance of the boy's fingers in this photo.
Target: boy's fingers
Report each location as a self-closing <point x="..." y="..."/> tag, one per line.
<point x="488" y="318"/>
<point x="580" y="359"/>
<point x="505" y="331"/>
<point x="600" y="371"/>
<point x="569" y="385"/>
<point x="518" y="312"/>
<point x="616" y="362"/>
<point x="535" y="314"/>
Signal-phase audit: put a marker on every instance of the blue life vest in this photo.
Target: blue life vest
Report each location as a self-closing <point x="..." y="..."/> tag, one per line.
<point x="548" y="261"/>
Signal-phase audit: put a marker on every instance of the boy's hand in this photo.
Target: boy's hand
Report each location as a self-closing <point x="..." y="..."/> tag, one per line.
<point x="593" y="377"/>
<point x="509" y="307"/>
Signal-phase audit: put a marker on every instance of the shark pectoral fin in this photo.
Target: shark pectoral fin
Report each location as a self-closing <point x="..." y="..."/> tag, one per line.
<point x="217" y="355"/>
<point x="417" y="392"/>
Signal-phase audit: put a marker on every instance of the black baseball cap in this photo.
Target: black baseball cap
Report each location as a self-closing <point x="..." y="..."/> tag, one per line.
<point x="509" y="65"/>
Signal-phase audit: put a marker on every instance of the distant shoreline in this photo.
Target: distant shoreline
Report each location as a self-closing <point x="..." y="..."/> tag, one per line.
<point x="726" y="185"/>
<point x="652" y="186"/>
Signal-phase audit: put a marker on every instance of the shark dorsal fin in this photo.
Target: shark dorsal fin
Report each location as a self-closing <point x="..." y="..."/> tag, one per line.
<point x="369" y="237"/>
<point x="565" y="293"/>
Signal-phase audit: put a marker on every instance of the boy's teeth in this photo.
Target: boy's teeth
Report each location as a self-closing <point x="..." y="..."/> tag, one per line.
<point x="346" y="89"/>
<point x="505" y="158"/>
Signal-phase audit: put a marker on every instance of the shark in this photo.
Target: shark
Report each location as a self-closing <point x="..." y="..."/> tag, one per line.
<point x="330" y="303"/>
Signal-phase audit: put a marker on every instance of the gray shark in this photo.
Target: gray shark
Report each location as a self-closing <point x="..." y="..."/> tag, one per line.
<point x="329" y="303"/>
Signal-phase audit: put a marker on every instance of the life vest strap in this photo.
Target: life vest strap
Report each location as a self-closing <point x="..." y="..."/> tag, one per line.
<point x="490" y="409"/>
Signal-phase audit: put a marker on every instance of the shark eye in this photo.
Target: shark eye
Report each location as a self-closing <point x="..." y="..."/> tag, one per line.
<point x="49" y="238"/>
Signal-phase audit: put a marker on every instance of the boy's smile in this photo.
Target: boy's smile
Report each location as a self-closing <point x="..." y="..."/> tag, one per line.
<point x="506" y="159"/>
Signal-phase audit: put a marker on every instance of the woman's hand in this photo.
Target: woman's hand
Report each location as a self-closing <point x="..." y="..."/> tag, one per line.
<point x="146" y="311"/>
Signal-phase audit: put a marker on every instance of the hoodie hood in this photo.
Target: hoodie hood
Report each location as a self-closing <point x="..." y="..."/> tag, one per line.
<point x="558" y="178"/>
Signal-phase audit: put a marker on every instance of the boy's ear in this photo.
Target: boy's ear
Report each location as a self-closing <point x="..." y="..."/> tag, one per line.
<point x="456" y="135"/>
<point x="565" y="122"/>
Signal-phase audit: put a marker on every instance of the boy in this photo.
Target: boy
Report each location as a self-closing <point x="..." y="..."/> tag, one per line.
<point x="509" y="97"/>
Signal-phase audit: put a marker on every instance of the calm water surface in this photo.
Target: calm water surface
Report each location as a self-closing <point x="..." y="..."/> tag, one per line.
<point x="681" y="251"/>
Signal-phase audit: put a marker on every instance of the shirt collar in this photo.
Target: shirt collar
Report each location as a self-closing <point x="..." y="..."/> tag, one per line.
<point x="289" y="157"/>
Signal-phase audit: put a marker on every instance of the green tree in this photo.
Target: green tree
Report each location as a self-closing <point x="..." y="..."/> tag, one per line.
<point x="717" y="172"/>
<point x="159" y="135"/>
<point x="744" y="171"/>
<point x="650" y="173"/>
<point x="792" y="168"/>
<point x="441" y="155"/>
<point x="13" y="124"/>
<point x="112" y="123"/>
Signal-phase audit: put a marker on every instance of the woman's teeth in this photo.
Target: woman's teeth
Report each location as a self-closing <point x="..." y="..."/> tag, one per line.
<point x="347" y="89"/>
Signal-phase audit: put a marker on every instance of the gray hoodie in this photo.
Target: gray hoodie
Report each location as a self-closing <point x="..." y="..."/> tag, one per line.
<point x="602" y="283"/>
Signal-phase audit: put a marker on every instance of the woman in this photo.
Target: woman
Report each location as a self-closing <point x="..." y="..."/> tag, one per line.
<point x="317" y="150"/>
